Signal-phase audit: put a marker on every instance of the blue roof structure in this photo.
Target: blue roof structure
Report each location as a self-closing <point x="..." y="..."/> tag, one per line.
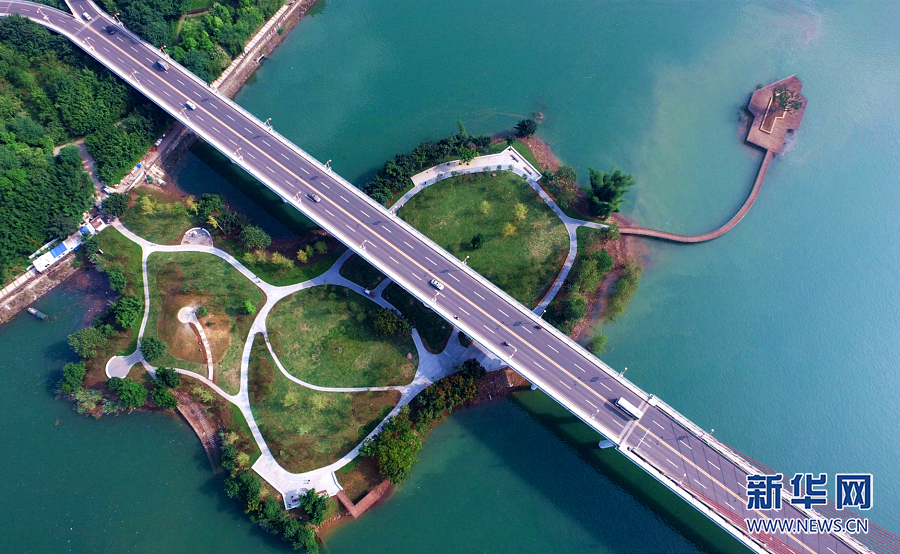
<point x="58" y="250"/>
<point x="85" y="230"/>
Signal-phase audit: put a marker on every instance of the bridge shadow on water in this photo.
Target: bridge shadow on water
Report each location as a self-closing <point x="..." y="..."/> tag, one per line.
<point x="617" y="503"/>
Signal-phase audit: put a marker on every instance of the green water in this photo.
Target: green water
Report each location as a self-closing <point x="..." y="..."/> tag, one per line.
<point x="782" y="334"/>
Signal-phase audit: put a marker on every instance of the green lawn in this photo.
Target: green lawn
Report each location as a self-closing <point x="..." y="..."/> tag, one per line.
<point x="180" y="279"/>
<point x="307" y="429"/>
<point x="361" y="272"/>
<point x="157" y="216"/>
<point x="433" y="329"/>
<point x="324" y="336"/>
<point x="117" y="248"/>
<point x="279" y="276"/>
<point x="520" y="147"/>
<point x="523" y="264"/>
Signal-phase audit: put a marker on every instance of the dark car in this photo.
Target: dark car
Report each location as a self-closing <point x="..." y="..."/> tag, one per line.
<point x="110" y="30"/>
<point x="314" y="197"/>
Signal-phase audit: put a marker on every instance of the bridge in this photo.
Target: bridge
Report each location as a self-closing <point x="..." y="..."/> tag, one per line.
<point x="669" y="447"/>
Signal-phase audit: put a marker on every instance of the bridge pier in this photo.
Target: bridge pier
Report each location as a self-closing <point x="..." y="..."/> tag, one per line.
<point x="606" y="444"/>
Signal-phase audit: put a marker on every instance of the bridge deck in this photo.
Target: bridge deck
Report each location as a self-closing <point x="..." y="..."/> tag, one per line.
<point x="664" y="443"/>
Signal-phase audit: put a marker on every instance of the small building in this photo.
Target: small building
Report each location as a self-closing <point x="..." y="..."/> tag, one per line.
<point x="44" y="261"/>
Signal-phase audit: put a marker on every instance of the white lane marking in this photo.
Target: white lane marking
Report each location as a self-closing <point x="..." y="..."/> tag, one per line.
<point x="395" y="259"/>
<point x="658" y="425"/>
<point x="567" y="386"/>
<point x="304" y="170"/>
<point x="248" y="130"/>
<point x="213" y="105"/>
<point x="119" y="39"/>
<point x="408" y="244"/>
<point x="290" y="184"/>
<point x="592" y="404"/>
<point x="553" y="349"/>
<point x="365" y="214"/>
<point x="270" y="169"/>
<point x="229" y="117"/>
<point x="349" y="227"/>
<point x="604" y="386"/>
<point x="489" y="329"/>
<point x="283" y="156"/>
<point x="251" y="155"/>
<point x="373" y="245"/>
<point x="326" y="185"/>
<point x="180" y="81"/>
<point x="167" y="94"/>
<point x="133" y="48"/>
<point x="232" y="142"/>
<point x="329" y="212"/>
<point x="417" y="277"/>
<point x="430" y="260"/>
<point x="579" y="367"/>
<point x="267" y="143"/>
<point x="616" y="421"/>
<point x="671" y="462"/>
<point x="148" y="59"/>
<point x="527" y="329"/>
<point x="732" y="507"/>
<point x="200" y="118"/>
<point x="829" y="548"/>
<point x="197" y="93"/>
<point x="105" y="48"/>
<point x="344" y="199"/>
<point x="502" y="312"/>
<point x="699" y="483"/>
<point x="714" y="465"/>
<point x="455" y="279"/>
<point x="478" y="295"/>
<point x="388" y="230"/>
<point x="463" y="311"/>
<point x="686" y="444"/>
<point x="216" y="130"/>
<point x="540" y="366"/>
<point x="120" y="59"/>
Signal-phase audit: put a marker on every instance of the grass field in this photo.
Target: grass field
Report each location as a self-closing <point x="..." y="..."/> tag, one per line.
<point x="160" y="217"/>
<point x="324" y="336"/>
<point x="191" y="279"/>
<point x="361" y="272"/>
<point x="524" y="263"/>
<point x="307" y="429"/>
<point x="278" y="276"/>
<point x="432" y="328"/>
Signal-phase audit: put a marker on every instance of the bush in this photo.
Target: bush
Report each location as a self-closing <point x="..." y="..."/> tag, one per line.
<point x="73" y="378"/>
<point x="477" y="241"/>
<point x="315" y="505"/>
<point x="508" y="229"/>
<point x="87" y="341"/>
<point x="115" y="204"/>
<point x="165" y="399"/>
<point x="394" y="448"/>
<point x="201" y="311"/>
<point x="167" y="378"/>
<point x="249" y="307"/>
<point x="389" y="322"/>
<point x="597" y="344"/>
<point x="254" y="238"/>
<point x="152" y="348"/>
<point x="117" y="281"/>
<point x="132" y="393"/>
<point x="127" y="310"/>
<point x="624" y="290"/>
<point x="450" y="392"/>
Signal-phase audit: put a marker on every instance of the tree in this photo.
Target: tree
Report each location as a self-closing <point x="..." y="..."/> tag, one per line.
<point x="254" y="238"/>
<point x="606" y="191"/>
<point x="115" y="204"/>
<point x="526" y="127"/>
<point x="152" y="348"/>
<point x="315" y="505"/>
<point x="394" y="448"/>
<point x="321" y="247"/>
<point x="786" y="99"/>
<point x="389" y="322"/>
<point x="508" y="229"/>
<point x="131" y="393"/>
<point x="520" y="211"/>
<point x="484" y="207"/>
<point x="86" y="341"/>
<point x="201" y="311"/>
<point x="249" y="307"/>
<point x="300" y="536"/>
<point x="477" y="241"/>
<point x="574" y="307"/>
<point x="167" y="378"/>
<point x="467" y="154"/>
<point x="61" y="226"/>
<point x="127" y="311"/>
<point x="164" y="398"/>
<point x="510" y="140"/>
<point x="73" y="378"/>
<point x="117" y="281"/>
<point x="208" y="204"/>
<point x="597" y="344"/>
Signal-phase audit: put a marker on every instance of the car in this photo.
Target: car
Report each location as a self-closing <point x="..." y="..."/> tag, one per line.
<point x="437" y="284"/>
<point x="110" y="30"/>
<point x="162" y="65"/>
<point x="86" y="16"/>
<point x="314" y="197"/>
<point x="158" y="142"/>
<point x="190" y="105"/>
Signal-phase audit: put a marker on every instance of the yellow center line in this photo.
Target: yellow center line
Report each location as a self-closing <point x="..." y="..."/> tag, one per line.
<point x="420" y="266"/>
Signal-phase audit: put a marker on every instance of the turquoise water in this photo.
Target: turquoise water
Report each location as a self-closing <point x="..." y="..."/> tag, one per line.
<point x="782" y="335"/>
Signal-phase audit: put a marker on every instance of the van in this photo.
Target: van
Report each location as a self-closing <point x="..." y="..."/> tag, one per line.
<point x="629" y="408"/>
<point x="86" y="16"/>
<point x="190" y="105"/>
<point x="162" y="65"/>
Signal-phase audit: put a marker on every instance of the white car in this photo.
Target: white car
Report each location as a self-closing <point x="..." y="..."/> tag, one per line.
<point x="86" y="16"/>
<point x="437" y="284"/>
<point x="190" y="105"/>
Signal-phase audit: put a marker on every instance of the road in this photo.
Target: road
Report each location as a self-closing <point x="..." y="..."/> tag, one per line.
<point x="543" y="355"/>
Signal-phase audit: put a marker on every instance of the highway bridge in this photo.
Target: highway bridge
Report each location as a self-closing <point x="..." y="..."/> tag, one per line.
<point x="701" y="470"/>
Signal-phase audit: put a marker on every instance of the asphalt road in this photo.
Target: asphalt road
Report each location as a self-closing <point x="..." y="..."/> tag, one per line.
<point x="580" y="382"/>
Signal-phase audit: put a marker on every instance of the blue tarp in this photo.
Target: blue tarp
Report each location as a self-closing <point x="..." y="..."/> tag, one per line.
<point x="58" y="250"/>
<point x="85" y="230"/>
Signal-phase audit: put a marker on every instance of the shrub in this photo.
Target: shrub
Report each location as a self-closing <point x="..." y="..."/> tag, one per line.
<point x="127" y="310"/>
<point x="132" y="393"/>
<point x="254" y="238"/>
<point x="167" y="378"/>
<point x="165" y="399"/>
<point x="152" y="348"/>
<point x="249" y="307"/>
<point x="508" y="229"/>
<point x="201" y="311"/>
<point x="597" y="344"/>
<point x="477" y="241"/>
<point x="315" y="505"/>
<point x="87" y="341"/>
<point x="117" y="281"/>
<point x="73" y="378"/>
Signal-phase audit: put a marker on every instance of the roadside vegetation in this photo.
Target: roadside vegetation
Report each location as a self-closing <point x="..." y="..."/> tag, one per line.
<point x="361" y="272"/>
<point x="522" y="244"/>
<point x="329" y="336"/>
<point x="179" y="279"/>
<point x="433" y="329"/>
<point x="304" y="428"/>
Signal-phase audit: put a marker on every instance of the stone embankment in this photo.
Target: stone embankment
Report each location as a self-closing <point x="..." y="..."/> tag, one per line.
<point x="207" y="431"/>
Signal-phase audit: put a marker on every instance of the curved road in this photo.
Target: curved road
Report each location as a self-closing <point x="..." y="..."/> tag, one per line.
<point x="663" y="235"/>
<point x="671" y="448"/>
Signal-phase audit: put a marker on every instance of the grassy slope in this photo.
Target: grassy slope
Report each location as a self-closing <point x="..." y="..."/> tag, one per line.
<point x="167" y="222"/>
<point x="306" y="429"/>
<point x="361" y="272"/>
<point x="323" y="336"/>
<point x="524" y="264"/>
<point x="432" y="328"/>
<point x="190" y="278"/>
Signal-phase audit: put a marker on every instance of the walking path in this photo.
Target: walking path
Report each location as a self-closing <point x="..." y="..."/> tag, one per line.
<point x="188" y="315"/>
<point x="431" y="367"/>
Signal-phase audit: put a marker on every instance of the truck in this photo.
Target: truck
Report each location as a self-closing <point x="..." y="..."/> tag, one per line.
<point x="629" y="408"/>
